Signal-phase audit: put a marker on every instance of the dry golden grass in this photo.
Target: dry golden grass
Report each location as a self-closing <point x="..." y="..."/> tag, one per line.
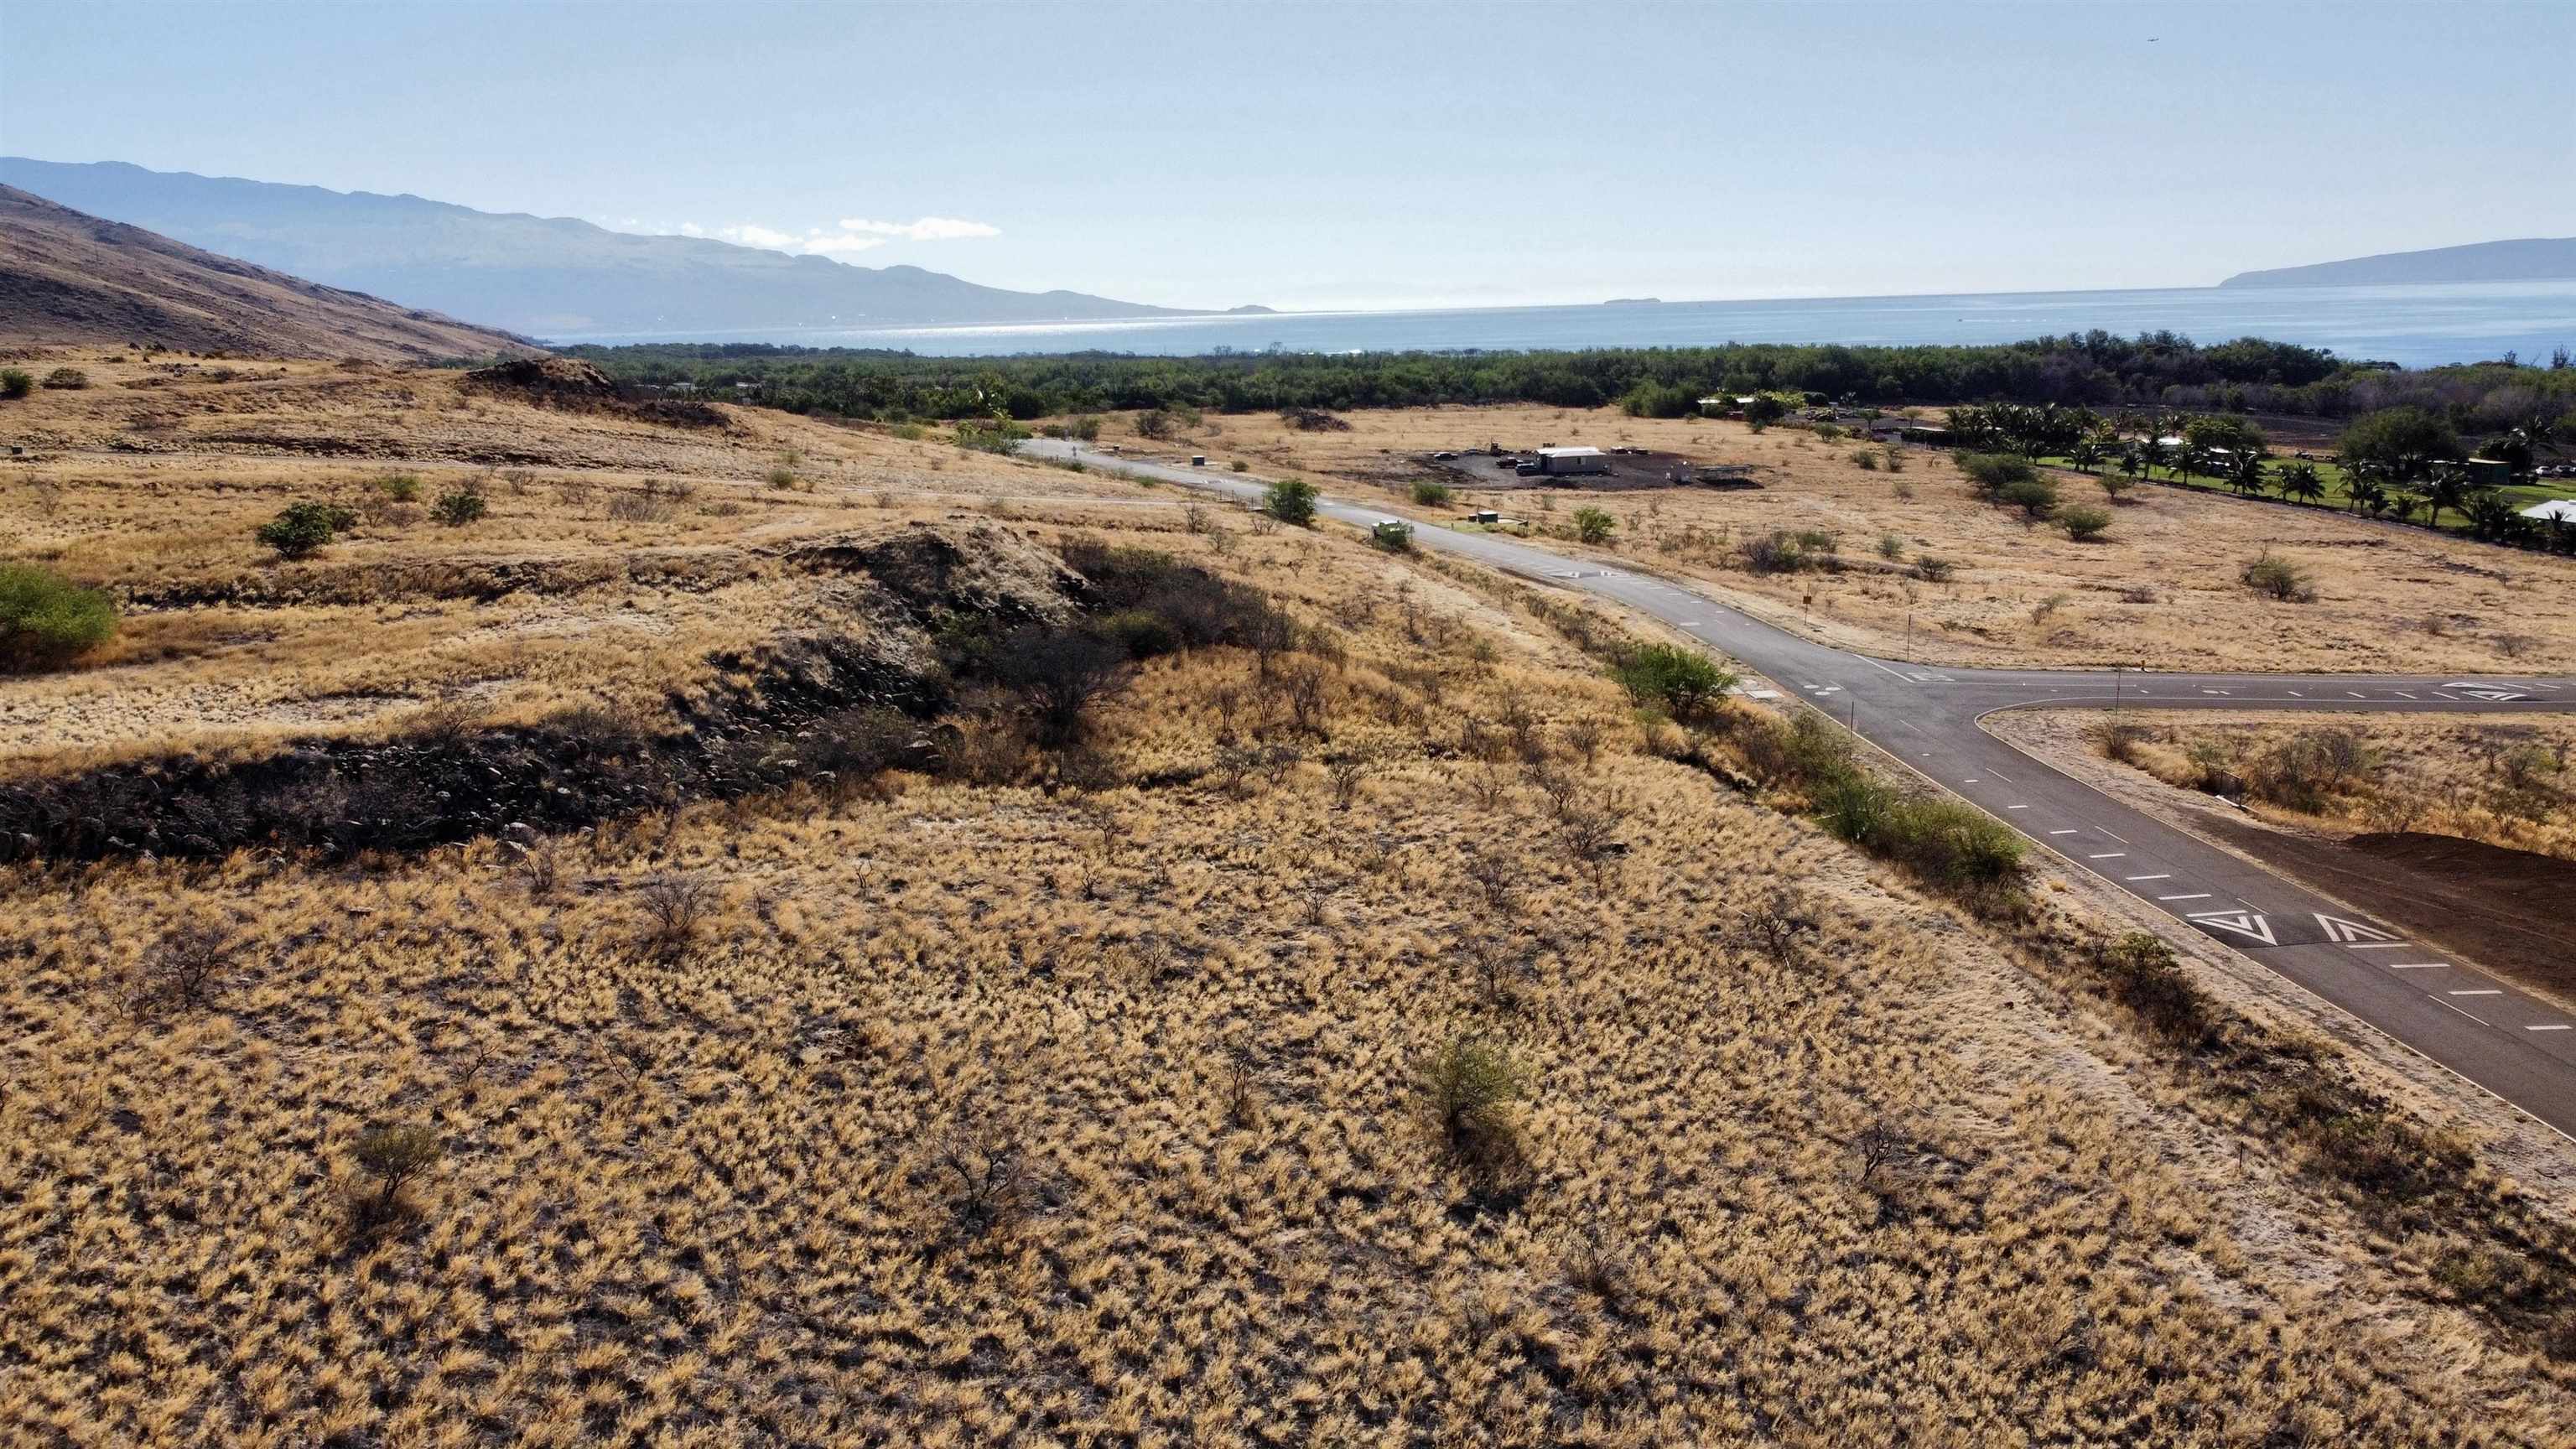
<point x="2504" y="781"/>
<point x="614" y="557"/>
<point x="960" y="1114"/>
<point x="2391" y="598"/>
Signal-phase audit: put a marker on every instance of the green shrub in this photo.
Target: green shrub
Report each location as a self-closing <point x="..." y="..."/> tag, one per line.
<point x="46" y="620"/>
<point x="301" y="528"/>
<point x="1594" y="525"/>
<point x="1866" y="459"/>
<point x="1891" y="546"/>
<point x="2144" y="976"/>
<point x="1141" y="632"/>
<point x="16" y="382"/>
<point x="1934" y="570"/>
<point x="67" y="377"/>
<point x="2280" y="579"/>
<point x="1292" y="500"/>
<point x="782" y="477"/>
<point x="1467" y="1088"/>
<point x="399" y="487"/>
<point x="1991" y="473"/>
<point x="461" y="506"/>
<point x="990" y="435"/>
<point x="1682" y="681"/>
<point x="2035" y="497"/>
<point x="2084" y="522"/>
<point x="1430" y="494"/>
<point x="1238" y="466"/>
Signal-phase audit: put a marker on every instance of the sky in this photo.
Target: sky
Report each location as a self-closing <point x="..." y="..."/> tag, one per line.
<point x="1318" y="156"/>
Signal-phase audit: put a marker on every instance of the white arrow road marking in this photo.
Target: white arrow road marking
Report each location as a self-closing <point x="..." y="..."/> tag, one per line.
<point x="2243" y="923"/>
<point x="2339" y="929"/>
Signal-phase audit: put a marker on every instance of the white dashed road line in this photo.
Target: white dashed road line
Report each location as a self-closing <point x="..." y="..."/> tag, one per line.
<point x="2195" y="896"/>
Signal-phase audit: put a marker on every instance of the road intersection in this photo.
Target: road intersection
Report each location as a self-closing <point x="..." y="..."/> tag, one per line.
<point x="2480" y="1027"/>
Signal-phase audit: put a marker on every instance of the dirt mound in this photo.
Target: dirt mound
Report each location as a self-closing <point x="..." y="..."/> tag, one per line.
<point x="555" y="376"/>
<point x="936" y="570"/>
<point x="569" y="382"/>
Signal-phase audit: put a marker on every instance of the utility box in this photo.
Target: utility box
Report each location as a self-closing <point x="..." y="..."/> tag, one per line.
<point x="1198" y="460"/>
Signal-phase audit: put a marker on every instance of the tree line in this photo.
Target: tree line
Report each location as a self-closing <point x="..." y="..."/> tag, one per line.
<point x="2092" y="369"/>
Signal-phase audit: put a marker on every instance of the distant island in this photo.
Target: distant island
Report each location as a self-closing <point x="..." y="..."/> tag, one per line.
<point x="1251" y="309"/>
<point x="1634" y="302"/>
<point x="2528" y="260"/>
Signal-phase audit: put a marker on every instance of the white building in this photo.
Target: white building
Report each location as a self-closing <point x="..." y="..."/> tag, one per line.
<point x="1561" y="462"/>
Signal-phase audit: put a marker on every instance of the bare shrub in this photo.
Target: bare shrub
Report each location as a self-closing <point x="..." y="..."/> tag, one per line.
<point x="980" y="1179"/>
<point x="675" y="908"/>
<point x="1777" y="927"/>
<point x="2118" y="740"/>
<point x="187" y="964"/>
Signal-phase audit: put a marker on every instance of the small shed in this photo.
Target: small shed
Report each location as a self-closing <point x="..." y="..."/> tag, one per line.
<point x="2556" y="510"/>
<point x="2490" y="472"/>
<point x="1567" y="462"/>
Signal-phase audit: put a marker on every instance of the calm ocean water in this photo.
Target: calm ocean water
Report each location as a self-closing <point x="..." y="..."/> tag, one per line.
<point x="2416" y="325"/>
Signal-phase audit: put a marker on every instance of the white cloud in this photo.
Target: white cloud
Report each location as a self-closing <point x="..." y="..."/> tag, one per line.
<point x="852" y="236"/>
<point x="929" y="228"/>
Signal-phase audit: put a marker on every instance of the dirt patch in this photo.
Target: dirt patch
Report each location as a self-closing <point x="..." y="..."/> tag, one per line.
<point x="2504" y="909"/>
<point x="1628" y="469"/>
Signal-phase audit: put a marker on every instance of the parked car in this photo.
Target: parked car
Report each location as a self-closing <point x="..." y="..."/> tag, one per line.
<point x="1443" y="457"/>
<point x="1507" y="461"/>
<point x="1526" y="470"/>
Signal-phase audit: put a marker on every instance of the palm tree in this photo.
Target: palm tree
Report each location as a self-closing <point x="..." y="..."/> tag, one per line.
<point x="2085" y="452"/>
<point x="2366" y="492"/>
<point x="2300" y="481"/>
<point x="2152" y="451"/>
<point x="2245" y="472"/>
<point x="2449" y="489"/>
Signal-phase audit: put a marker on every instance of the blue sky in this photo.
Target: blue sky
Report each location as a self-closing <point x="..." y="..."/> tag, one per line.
<point x="1386" y="155"/>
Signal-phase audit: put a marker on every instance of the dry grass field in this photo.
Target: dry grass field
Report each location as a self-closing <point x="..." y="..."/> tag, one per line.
<point x="2505" y="782"/>
<point x="614" y="555"/>
<point x="2161" y="586"/>
<point x="1364" y="1030"/>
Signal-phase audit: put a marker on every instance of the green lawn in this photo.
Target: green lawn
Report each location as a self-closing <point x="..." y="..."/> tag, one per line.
<point x="2522" y="495"/>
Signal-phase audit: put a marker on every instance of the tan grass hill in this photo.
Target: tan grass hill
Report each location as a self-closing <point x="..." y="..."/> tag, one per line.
<point x="71" y="279"/>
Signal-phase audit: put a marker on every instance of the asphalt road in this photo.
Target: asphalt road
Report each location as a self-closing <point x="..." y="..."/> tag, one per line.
<point x="2480" y="1028"/>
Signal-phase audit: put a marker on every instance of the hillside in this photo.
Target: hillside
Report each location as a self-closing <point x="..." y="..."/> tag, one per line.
<point x="549" y="276"/>
<point x="69" y="279"/>
<point x="2531" y="259"/>
<point x="789" y="932"/>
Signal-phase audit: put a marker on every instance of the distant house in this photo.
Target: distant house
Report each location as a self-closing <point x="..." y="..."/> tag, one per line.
<point x="1568" y="462"/>
<point x="2489" y="472"/>
<point x="682" y="387"/>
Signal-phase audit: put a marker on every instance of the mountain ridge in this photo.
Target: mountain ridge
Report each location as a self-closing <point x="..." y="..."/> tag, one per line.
<point x="544" y="276"/>
<point x="68" y="279"/>
<point x="2521" y="259"/>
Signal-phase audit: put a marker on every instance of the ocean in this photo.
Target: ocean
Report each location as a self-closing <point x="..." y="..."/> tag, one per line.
<point x="2416" y="326"/>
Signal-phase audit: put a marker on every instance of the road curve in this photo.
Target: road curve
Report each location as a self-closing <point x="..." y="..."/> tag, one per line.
<point x="2480" y="1028"/>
